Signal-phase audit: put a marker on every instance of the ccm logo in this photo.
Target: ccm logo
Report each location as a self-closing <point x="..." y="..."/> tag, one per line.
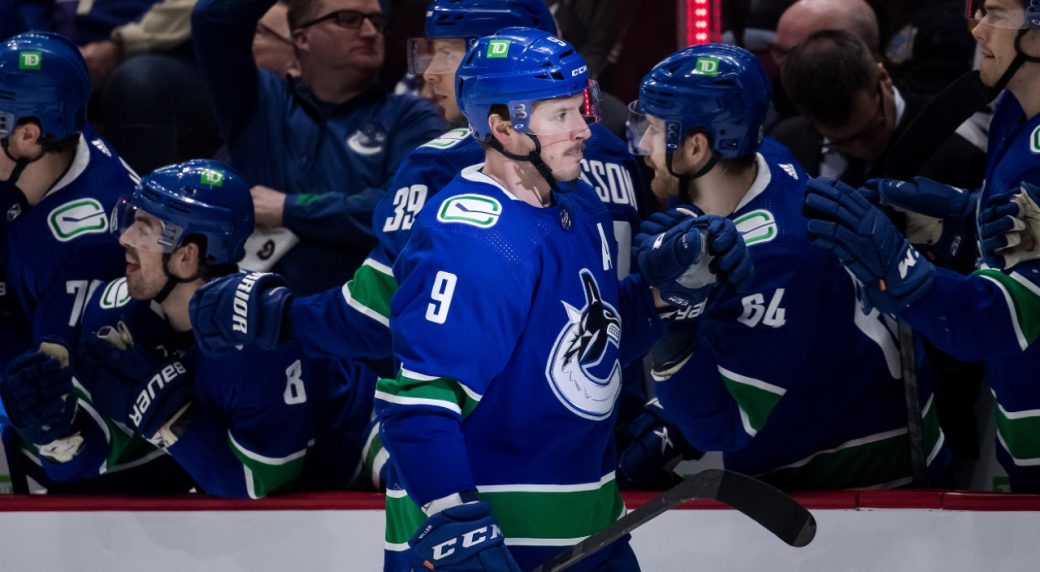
<point x="469" y="539"/>
<point x="579" y="71"/>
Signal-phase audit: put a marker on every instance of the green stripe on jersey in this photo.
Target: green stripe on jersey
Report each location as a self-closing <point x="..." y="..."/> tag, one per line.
<point x="1025" y="299"/>
<point x="371" y="289"/>
<point x="878" y="460"/>
<point x="444" y="390"/>
<point x="1019" y="433"/>
<point x="265" y="475"/>
<point x="527" y="517"/>
<point x="755" y="398"/>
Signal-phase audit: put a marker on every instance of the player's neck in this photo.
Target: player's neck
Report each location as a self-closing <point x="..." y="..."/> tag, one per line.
<point x="40" y="175"/>
<point x="519" y="178"/>
<point x="175" y="306"/>
<point x="1027" y="93"/>
<point x="719" y="193"/>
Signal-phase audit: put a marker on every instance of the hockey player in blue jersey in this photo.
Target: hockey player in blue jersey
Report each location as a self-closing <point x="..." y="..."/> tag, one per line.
<point x="58" y="182"/>
<point x="243" y="425"/>
<point x="789" y="377"/>
<point x="511" y="328"/>
<point x="990" y="314"/>
<point x="319" y="149"/>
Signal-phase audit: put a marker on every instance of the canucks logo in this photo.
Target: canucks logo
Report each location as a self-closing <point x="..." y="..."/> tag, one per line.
<point x="367" y="141"/>
<point x="583" y="370"/>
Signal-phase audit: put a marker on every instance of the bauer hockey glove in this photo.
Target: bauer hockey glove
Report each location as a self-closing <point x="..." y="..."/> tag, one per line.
<point x="463" y="537"/>
<point x="38" y="395"/>
<point x="1009" y="228"/>
<point x="685" y="262"/>
<point x="939" y="218"/>
<point x="658" y="223"/>
<point x="652" y="446"/>
<point x="243" y="309"/>
<point x="892" y="273"/>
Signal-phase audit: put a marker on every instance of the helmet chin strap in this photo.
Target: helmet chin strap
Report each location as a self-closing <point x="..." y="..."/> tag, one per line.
<point x="535" y="158"/>
<point x="171" y="280"/>
<point x="1020" y="59"/>
<point x="19" y="163"/>
<point x="685" y="180"/>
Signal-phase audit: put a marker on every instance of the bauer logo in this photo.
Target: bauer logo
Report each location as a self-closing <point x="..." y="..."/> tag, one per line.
<point x="1034" y="141"/>
<point x="76" y="218"/>
<point x="211" y="178"/>
<point x="30" y="61"/>
<point x="498" y="49"/>
<point x="474" y="210"/>
<point x="583" y="370"/>
<point x="706" y="66"/>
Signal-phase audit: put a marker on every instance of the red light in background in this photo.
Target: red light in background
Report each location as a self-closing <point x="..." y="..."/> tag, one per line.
<point x="703" y="21"/>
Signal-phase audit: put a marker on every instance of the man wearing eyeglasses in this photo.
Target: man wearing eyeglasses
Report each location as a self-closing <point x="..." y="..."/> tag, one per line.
<point x="856" y="112"/>
<point x="320" y="148"/>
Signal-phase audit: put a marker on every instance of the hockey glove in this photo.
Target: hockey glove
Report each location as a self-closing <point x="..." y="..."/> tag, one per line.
<point x="685" y="262"/>
<point x="658" y="223"/>
<point x="39" y="397"/>
<point x="463" y="537"/>
<point x="653" y="445"/>
<point x="243" y="309"/>
<point x="939" y="218"/>
<point x="1009" y="228"/>
<point x="892" y="273"/>
<point x="142" y="388"/>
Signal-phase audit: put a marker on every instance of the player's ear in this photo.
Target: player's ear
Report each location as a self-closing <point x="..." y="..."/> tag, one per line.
<point x="501" y="127"/>
<point x="694" y="153"/>
<point x="27" y="135"/>
<point x="186" y="260"/>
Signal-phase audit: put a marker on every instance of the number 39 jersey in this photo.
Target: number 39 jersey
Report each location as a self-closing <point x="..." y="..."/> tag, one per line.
<point x="792" y="380"/>
<point x="508" y="326"/>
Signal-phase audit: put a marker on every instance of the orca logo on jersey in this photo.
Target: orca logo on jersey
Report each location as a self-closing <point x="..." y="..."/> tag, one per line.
<point x="367" y="141"/>
<point x="240" y="318"/>
<point x="583" y="369"/>
<point x="76" y="218"/>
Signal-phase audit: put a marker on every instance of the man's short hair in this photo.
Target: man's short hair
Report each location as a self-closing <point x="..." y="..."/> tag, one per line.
<point x="823" y="75"/>
<point x="300" y="11"/>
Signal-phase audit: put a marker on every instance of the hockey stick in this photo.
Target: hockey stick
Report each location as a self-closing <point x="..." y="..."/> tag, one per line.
<point x="763" y="503"/>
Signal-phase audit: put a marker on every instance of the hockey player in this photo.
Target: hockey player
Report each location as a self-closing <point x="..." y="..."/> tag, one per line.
<point x="508" y="440"/>
<point x="58" y="182"/>
<point x="243" y="425"/>
<point x="790" y="378"/>
<point x="990" y="314"/>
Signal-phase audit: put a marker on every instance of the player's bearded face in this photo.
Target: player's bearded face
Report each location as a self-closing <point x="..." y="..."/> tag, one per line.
<point x="562" y="131"/>
<point x="652" y="146"/>
<point x="145" y="277"/>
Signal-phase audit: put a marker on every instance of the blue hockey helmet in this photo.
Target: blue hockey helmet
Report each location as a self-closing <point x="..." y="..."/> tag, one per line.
<point x="468" y="20"/>
<point x="1015" y="20"/>
<point x="518" y="67"/>
<point x="198" y="197"/>
<point x="43" y="76"/>
<point x="720" y="89"/>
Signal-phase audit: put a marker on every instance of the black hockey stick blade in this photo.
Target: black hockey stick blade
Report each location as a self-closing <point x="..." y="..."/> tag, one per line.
<point x="763" y="503"/>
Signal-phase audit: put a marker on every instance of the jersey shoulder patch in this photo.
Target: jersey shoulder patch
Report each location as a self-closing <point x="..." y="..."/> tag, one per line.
<point x="449" y="139"/>
<point x="115" y="294"/>
<point x="1034" y="141"/>
<point x="480" y="211"/>
<point x="77" y="218"/>
<point x="757" y="227"/>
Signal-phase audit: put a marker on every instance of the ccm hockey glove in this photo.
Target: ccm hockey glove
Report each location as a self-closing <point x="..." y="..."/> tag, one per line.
<point x="892" y="273"/>
<point x="463" y="537"/>
<point x="243" y="309"/>
<point x="652" y="446"/>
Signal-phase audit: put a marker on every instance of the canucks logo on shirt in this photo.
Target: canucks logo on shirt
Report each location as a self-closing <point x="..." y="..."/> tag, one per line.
<point x="583" y="370"/>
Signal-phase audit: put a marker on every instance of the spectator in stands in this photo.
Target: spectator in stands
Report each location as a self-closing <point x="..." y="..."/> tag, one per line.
<point x="272" y="43"/>
<point x="319" y="149"/>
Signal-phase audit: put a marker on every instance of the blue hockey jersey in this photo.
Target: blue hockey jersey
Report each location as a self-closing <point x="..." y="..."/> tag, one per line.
<point x="354" y="320"/>
<point x="58" y="251"/>
<point x="995" y="315"/>
<point x="791" y="379"/>
<point x="259" y="421"/>
<point x="511" y="329"/>
<point x="334" y="161"/>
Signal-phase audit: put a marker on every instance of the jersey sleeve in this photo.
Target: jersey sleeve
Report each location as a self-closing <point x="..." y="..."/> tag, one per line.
<point x="748" y="354"/>
<point x="454" y="289"/>
<point x="639" y="316"/>
<point x="987" y="314"/>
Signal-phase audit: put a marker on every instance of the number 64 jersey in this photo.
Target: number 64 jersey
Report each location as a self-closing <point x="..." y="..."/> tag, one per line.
<point x="511" y="329"/>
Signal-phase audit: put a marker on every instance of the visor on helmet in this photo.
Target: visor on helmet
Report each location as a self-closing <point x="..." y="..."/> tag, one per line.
<point x="139" y="229"/>
<point x="645" y="133"/>
<point x="554" y="116"/>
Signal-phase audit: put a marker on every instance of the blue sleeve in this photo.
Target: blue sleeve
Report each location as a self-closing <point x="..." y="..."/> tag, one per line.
<point x="338" y="218"/>
<point x="751" y="349"/>
<point x="222" y="33"/>
<point x="91" y="461"/>
<point x="441" y="379"/>
<point x="642" y="327"/>
<point x="335" y="324"/>
<point x="983" y="315"/>
<point x="203" y="451"/>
